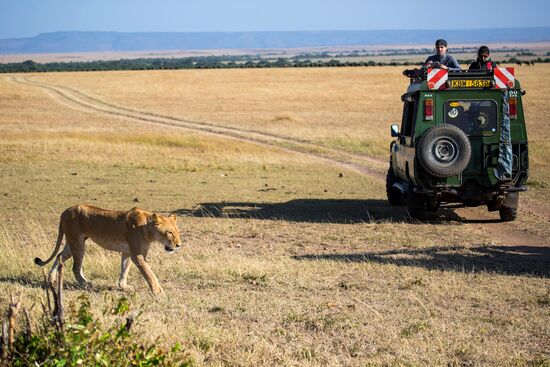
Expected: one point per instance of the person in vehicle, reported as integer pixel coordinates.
(483, 61)
(441, 59)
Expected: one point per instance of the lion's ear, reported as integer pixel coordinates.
(155, 219)
(173, 216)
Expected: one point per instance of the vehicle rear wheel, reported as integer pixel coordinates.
(509, 209)
(416, 205)
(444, 151)
(395, 197)
(507, 214)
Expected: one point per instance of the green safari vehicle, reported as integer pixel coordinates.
(462, 141)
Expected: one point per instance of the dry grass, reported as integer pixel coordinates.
(288, 262)
(345, 108)
(314, 104)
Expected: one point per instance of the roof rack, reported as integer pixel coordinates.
(435, 78)
(417, 75)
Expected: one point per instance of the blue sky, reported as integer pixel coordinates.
(26, 18)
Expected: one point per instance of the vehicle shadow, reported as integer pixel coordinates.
(313, 210)
(510, 260)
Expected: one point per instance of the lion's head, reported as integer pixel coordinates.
(165, 230)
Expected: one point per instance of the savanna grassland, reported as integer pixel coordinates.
(292, 255)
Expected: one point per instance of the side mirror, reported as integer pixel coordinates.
(394, 131)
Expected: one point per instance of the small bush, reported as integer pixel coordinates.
(81, 340)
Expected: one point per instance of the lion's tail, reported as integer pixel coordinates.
(39, 261)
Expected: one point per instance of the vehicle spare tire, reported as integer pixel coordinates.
(444, 151)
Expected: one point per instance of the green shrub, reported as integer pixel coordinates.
(84, 341)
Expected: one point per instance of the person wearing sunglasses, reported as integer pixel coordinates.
(483, 61)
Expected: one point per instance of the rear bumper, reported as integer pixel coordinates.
(454, 191)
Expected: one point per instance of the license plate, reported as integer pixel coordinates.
(471, 83)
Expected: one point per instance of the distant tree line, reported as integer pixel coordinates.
(408, 52)
(209, 62)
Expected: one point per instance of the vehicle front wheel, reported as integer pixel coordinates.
(395, 197)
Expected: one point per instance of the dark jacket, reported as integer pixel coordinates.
(482, 65)
(446, 60)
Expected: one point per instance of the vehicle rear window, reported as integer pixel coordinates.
(472, 116)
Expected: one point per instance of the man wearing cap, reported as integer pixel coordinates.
(441, 59)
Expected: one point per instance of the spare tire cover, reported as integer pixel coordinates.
(444, 151)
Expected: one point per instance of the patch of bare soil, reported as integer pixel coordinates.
(504, 233)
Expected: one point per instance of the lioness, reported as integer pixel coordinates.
(130, 233)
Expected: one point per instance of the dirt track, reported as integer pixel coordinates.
(478, 218)
(75, 99)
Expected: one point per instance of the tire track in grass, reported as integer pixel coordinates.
(359, 163)
(505, 233)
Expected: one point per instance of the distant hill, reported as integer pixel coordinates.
(119, 41)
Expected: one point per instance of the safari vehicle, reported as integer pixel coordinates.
(451, 139)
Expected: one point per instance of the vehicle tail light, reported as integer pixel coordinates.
(428, 109)
(513, 108)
